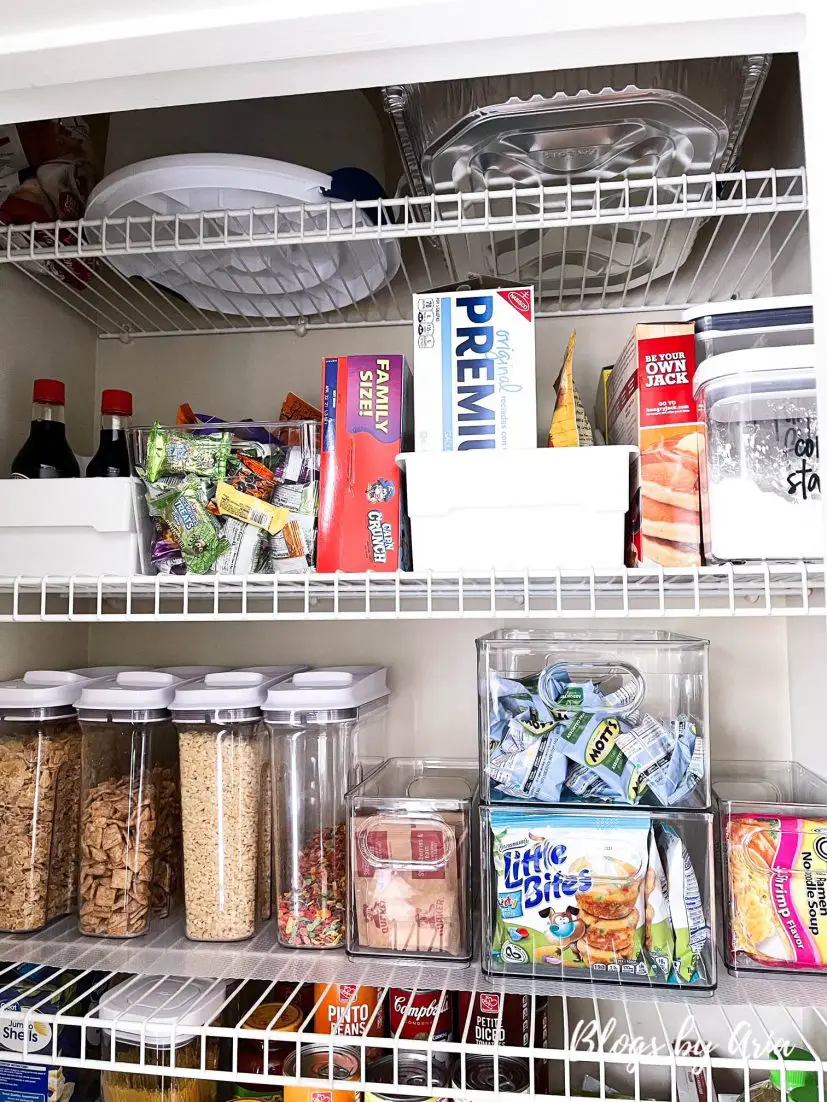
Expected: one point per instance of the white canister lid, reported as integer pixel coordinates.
(134, 690)
(233, 690)
(42, 689)
(792, 358)
(160, 1010)
(331, 688)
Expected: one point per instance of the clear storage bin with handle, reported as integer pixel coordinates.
(772, 821)
(760, 481)
(130, 854)
(614, 717)
(39, 799)
(409, 860)
(321, 722)
(221, 743)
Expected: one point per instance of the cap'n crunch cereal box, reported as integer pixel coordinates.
(365, 425)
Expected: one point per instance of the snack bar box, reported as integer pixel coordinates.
(652, 407)
(366, 415)
(474, 370)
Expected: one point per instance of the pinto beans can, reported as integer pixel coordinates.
(413, 1013)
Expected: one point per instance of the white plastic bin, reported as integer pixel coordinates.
(760, 482)
(68, 526)
(760, 323)
(518, 510)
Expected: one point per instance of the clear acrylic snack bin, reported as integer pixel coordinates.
(750, 323)
(226, 498)
(616, 896)
(321, 722)
(772, 827)
(596, 718)
(409, 860)
(760, 488)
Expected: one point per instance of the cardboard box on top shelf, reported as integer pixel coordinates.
(651, 406)
(474, 367)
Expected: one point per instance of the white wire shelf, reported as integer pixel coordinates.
(650, 244)
(625, 1050)
(768, 589)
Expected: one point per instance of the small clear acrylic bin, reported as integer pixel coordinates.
(410, 826)
(772, 834)
(594, 718)
(617, 896)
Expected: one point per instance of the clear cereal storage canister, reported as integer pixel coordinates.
(130, 843)
(612, 717)
(39, 799)
(772, 820)
(760, 482)
(321, 723)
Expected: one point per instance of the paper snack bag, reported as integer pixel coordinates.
(407, 886)
(651, 406)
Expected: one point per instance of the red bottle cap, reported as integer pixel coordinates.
(117, 401)
(51, 392)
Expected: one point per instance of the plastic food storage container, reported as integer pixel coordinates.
(321, 722)
(752, 323)
(409, 860)
(157, 1022)
(263, 478)
(130, 860)
(39, 799)
(618, 717)
(760, 483)
(772, 821)
(620, 896)
(221, 742)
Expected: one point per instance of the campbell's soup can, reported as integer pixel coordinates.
(347, 1010)
(500, 1019)
(320, 1062)
(412, 1014)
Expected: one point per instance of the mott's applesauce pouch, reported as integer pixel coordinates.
(777, 871)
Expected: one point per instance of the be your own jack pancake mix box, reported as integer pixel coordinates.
(651, 406)
(365, 425)
(474, 369)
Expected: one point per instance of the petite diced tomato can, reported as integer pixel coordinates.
(500, 1019)
(414, 1014)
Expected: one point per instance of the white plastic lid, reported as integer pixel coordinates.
(186, 673)
(751, 361)
(746, 306)
(232, 689)
(144, 690)
(331, 688)
(159, 1005)
(42, 689)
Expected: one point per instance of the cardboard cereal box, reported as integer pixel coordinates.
(651, 405)
(365, 416)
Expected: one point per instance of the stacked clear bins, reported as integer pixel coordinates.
(409, 860)
(322, 722)
(596, 828)
(773, 866)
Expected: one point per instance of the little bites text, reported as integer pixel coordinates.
(374, 395)
(666, 369)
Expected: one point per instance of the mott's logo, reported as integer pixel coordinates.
(490, 1004)
(637, 785)
(602, 741)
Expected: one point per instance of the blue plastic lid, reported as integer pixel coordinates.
(767, 313)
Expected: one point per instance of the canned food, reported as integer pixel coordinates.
(346, 1010)
(413, 1014)
(510, 1076)
(501, 1019)
(277, 1017)
(320, 1062)
(408, 1069)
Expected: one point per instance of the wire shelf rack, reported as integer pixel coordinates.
(633, 245)
(766, 589)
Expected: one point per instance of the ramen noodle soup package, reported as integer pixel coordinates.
(408, 888)
(777, 888)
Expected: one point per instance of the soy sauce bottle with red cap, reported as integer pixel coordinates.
(46, 453)
(111, 460)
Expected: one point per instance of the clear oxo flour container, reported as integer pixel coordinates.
(760, 482)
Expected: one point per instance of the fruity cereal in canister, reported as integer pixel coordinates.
(314, 915)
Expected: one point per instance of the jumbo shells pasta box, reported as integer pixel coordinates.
(365, 424)
(652, 407)
(474, 369)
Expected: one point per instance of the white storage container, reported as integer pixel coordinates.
(518, 510)
(760, 483)
(757, 323)
(68, 526)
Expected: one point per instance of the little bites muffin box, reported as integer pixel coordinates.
(652, 407)
(365, 424)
